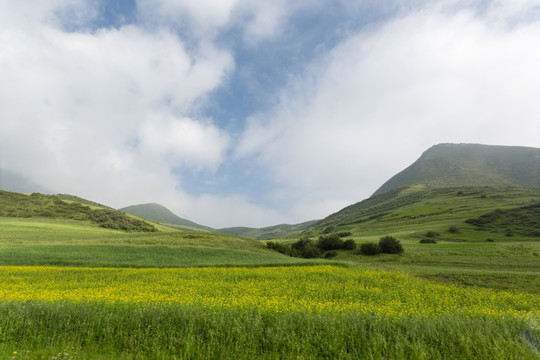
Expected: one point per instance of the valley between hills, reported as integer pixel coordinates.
(141, 282)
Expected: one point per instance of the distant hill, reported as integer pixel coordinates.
(451, 165)
(160, 214)
(35, 205)
(269, 232)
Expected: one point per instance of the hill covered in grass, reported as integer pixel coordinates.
(268, 232)
(415, 208)
(452, 165)
(160, 214)
(38, 205)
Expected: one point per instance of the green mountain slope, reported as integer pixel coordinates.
(411, 210)
(36, 205)
(269, 232)
(160, 214)
(451, 165)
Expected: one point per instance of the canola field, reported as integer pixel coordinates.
(311, 289)
(303, 312)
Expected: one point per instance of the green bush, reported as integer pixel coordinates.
(330, 242)
(349, 244)
(328, 230)
(370, 249)
(330, 254)
(345, 234)
(310, 252)
(281, 248)
(390, 245)
(454, 229)
(301, 244)
(428, 241)
(432, 234)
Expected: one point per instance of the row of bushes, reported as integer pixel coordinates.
(328, 244)
(309, 249)
(386, 245)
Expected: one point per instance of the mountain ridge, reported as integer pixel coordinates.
(160, 214)
(454, 165)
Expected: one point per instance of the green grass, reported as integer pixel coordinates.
(74, 243)
(86, 330)
(36, 205)
(463, 256)
(40, 330)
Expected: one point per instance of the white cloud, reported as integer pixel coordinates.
(105, 114)
(184, 142)
(257, 20)
(374, 103)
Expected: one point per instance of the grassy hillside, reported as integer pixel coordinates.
(269, 232)
(417, 208)
(73, 289)
(487, 237)
(64, 242)
(53, 207)
(160, 214)
(451, 165)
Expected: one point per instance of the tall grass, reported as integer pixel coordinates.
(43, 330)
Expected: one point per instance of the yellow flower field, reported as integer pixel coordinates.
(312, 289)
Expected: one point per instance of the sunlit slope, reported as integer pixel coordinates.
(451, 165)
(268, 232)
(415, 209)
(64, 242)
(68, 207)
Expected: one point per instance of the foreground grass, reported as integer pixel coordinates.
(64, 330)
(244, 313)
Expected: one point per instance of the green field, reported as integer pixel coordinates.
(73, 289)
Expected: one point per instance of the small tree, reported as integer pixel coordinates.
(390, 245)
(310, 252)
(301, 244)
(370, 249)
(329, 242)
(349, 244)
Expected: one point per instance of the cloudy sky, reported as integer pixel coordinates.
(253, 112)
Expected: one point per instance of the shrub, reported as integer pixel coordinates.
(301, 244)
(432, 234)
(349, 244)
(310, 252)
(328, 230)
(330, 254)
(453, 229)
(370, 249)
(345, 234)
(284, 249)
(330, 242)
(390, 245)
(428, 241)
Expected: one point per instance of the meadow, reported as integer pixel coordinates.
(326, 312)
(72, 289)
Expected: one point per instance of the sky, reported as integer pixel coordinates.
(252, 112)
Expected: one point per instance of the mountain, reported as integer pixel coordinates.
(35, 205)
(160, 214)
(269, 232)
(448, 185)
(451, 165)
(409, 210)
